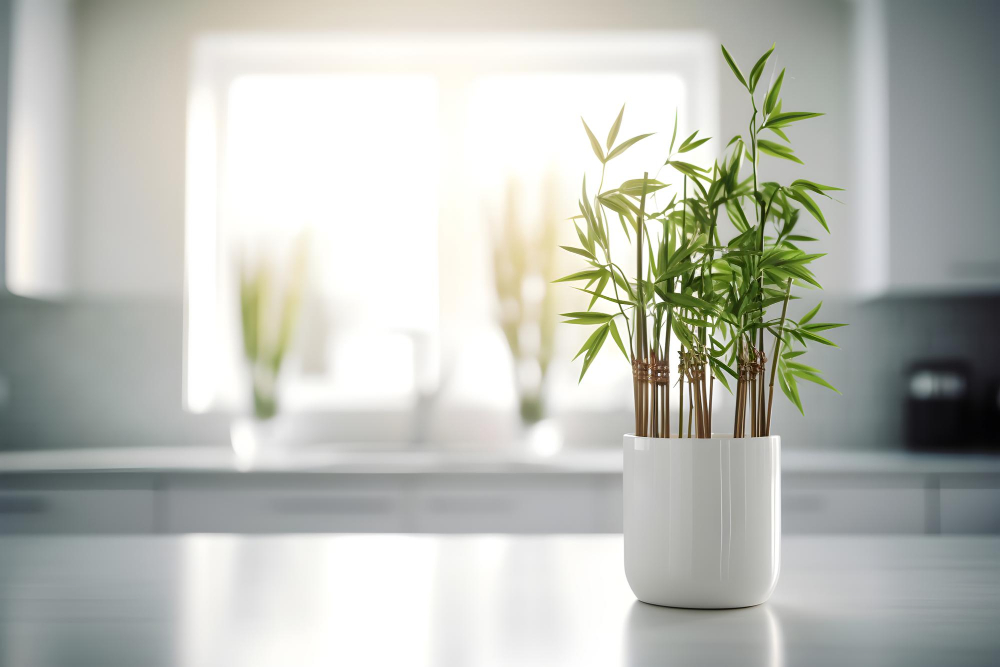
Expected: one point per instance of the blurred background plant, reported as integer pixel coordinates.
(523, 269)
(270, 301)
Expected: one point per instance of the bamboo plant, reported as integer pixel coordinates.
(522, 270)
(268, 317)
(722, 302)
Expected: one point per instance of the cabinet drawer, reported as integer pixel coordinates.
(970, 505)
(853, 506)
(284, 506)
(75, 504)
(506, 504)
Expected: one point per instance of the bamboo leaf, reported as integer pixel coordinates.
(598, 292)
(589, 342)
(822, 326)
(599, 295)
(634, 187)
(788, 117)
(613, 133)
(618, 339)
(687, 301)
(581, 275)
(812, 377)
(594, 349)
(579, 251)
(808, 203)
(805, 333)
(674, 137)
(818, 188)
(587, 317)
(732, 66)
(777, 150)
(772, 94)
(693, 145)
(758, 69)
(625, 145)
(811, 314)
(594, 143)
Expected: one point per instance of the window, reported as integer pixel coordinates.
(395, 157)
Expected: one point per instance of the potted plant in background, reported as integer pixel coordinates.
(270, 301)
(523, 269)
(704, 302)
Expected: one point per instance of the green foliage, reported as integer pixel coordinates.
(268, 318)
(716, 297)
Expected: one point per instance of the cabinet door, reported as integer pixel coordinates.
(853, 504)
(76, 503)
(970, 504)
(285, 504)
(506, 503)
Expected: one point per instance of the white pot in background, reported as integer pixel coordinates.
(702, 520)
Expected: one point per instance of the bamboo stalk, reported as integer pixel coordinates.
(680, 409)
(777, 353)
(711, 396)
(690, 407)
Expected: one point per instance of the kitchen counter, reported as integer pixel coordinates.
(480, 600)
(376, 460)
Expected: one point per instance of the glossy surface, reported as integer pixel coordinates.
(480, 600)
(702, 520)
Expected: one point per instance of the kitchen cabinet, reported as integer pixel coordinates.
(925, 176)
(320, 491)
(869, 504)
(79, 504)
(970, 505)
(283, 504)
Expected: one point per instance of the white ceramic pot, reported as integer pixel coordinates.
(702, 520)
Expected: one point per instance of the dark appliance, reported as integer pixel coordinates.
(939, 411)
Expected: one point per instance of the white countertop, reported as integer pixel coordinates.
(354, 459)
(480, 600)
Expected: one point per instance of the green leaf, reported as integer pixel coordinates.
(805, 333)
(578, 251)
(732, 65)
(634, 187)
(625, 145)
(822, 326)
(788, 117)
(777, 150)
(618, 339)
(818, 188)
(686, 301)
(587, 317)
(593, 141)
(693, 145)
(598, 292)
(811, 314)
(758, 69)
(613, 133)
(812, 377)
(595, 347)
(581, 275)
(787, 383)
(808, 203)
(772, 94)
(673, 138)
(589, 343)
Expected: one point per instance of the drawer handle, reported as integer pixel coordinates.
(469, 504)
(23, 505)
(332, 505)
